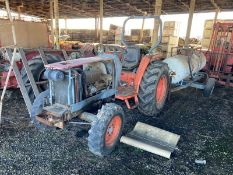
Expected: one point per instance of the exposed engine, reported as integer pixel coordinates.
(97, 78)
(88, 80)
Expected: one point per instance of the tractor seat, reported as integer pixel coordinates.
(131, 59)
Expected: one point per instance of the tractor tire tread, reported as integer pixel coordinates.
(96, 138)
(147, 102)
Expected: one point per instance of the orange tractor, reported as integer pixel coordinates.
(75, 86)
(144, 78)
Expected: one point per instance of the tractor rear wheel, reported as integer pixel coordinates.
(37, 68)
(153, 89)
(106, 131)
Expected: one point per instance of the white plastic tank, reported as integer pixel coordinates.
(179, 68)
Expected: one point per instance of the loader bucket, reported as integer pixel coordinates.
(152, 139)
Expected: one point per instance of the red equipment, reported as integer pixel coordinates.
(30, 54)
(220, 53)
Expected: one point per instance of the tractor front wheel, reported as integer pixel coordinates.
(154, 87)
(106, 131)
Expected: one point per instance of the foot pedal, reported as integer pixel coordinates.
(152, 139)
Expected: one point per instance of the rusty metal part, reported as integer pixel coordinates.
(44, 121)
(50, 122)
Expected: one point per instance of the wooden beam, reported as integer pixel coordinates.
(149, 3)
(216, 15)
(158, 7)
(51, 22)
(178, 6)
(215, 4)
(190, 19)
(101, 23)
(132, 7)
(185, 5)
(96, 28)
(106, 6)
(79, 11)
(19, 12)
(56, 16)
(87, 8)
(216, 11)
(141, 31)
(66, 25)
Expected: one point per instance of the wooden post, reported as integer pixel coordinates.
(51, 22)
(66, 32)
(19, 12)
(96, 28)
(191, 11)
(158, 8)
(141, 31)
(216, 15)
(56, 16)
(101, 22)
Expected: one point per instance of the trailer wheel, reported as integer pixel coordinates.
(154, 88)
(209, 87)
(37, 68)
(105, 132)
(37, 109)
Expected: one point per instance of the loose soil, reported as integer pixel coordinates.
(205, 126)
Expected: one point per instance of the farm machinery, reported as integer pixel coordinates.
(220, 54)
(76, 86)
(35, 59)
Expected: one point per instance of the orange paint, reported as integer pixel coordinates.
(133, 80)
(113, 131)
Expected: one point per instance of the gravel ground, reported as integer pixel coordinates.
(205, 126)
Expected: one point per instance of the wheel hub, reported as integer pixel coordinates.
(110, 130)
(113, 131)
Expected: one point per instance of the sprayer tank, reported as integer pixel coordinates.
(179, 67)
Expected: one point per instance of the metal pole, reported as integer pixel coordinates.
(158, 7)
(56, 15)
(51, 22)
(101, 22)
(191, 11)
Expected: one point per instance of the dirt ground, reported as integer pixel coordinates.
(205, 126)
